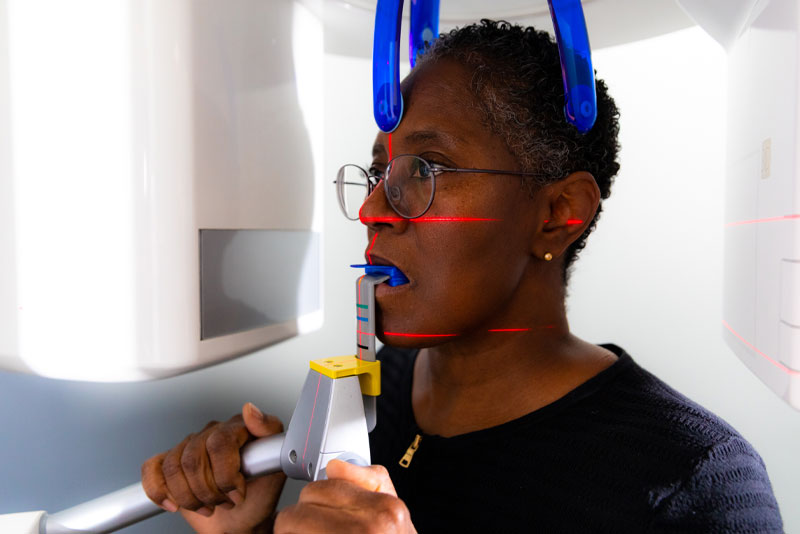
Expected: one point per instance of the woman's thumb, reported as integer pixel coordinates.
(258, 424)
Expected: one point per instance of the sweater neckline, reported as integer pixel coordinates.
(587, 389)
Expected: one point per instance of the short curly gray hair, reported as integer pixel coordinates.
(517, 81)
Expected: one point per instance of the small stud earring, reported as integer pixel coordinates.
(548, 257)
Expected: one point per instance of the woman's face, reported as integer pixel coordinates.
(464, 275)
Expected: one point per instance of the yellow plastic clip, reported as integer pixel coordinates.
(368, 373)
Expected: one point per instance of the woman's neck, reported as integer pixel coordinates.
(479, 383)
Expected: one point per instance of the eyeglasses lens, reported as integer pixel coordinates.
(352, 187)
(409, 185)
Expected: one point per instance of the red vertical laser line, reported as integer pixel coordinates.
(312, 418)
(390, 146)
(369, 258)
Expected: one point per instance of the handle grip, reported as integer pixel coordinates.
(130, 505)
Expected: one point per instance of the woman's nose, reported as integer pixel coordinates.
(376, 211)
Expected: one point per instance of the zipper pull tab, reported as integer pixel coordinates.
(405, 461)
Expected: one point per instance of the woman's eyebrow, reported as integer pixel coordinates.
(428, 136)
(378, 150)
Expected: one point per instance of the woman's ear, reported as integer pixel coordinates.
(569, 207)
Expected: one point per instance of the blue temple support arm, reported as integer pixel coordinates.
(387, 100)
(424, 27)
(580, 96)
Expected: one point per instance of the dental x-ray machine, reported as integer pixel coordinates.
(188, 287)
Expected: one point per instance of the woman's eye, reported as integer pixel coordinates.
(376, 171)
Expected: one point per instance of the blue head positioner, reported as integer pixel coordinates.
(387, 99)
(580, 98)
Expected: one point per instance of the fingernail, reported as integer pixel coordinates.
(235, 496)
(255, 411)
(204, 512)
(169, 506)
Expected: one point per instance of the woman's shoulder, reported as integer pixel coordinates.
(632, 397)
(704, 474)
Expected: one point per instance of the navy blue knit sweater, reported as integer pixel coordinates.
(623, 452)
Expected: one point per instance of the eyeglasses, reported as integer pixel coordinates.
(409, 184)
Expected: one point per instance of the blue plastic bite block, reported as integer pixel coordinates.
(396, 276)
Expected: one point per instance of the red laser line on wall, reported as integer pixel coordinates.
(768, 219)
(776, 363)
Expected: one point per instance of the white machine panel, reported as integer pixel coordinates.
(130, 132)
(761, 311)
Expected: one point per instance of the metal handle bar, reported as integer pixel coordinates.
(130, 505)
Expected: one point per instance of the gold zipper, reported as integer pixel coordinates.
(405, 461)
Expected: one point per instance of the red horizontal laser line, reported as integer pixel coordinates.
(425, 219)
(776, 363)
(768, 219)
(402, 334)
(569, 221)
(365, 333)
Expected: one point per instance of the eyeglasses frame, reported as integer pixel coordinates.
(374, 180)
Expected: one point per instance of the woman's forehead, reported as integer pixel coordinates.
(440, 86)
(439, 110)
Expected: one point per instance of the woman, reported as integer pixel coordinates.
(493, 417)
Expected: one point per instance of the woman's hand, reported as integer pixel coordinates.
(201, 476)
(353, 500)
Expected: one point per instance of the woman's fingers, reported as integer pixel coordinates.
(198, 472)
(154, 485)
(204, 470)
(223, 445)
(338, 505)
(177, 485)
(372, 478)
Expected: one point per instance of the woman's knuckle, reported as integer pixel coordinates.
(380, 470)
(219, 442)
(308, 491)
(210, 424)
(391, 511)
(190, 462)
(171, 466)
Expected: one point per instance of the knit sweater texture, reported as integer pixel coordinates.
(623, 452)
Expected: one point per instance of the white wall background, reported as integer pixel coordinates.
(649, 280)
